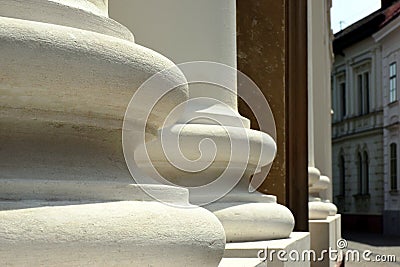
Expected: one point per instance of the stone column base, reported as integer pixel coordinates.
(324, 236)
(260, 218)
(122, 227)
(318, 210)
(252, 254)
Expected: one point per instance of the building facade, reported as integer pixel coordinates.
(389, 38)
(363, 98)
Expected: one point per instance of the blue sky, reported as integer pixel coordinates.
(346, 12)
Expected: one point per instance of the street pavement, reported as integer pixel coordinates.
(379, 245)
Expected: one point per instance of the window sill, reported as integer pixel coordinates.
(393, 103)
(394, 192)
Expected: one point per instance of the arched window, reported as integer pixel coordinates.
(393, 166)
(342, 176)
(359, 174)
(366, 174)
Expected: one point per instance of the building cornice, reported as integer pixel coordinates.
(358, 134)
(387, 30)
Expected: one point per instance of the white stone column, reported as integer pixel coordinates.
(324, 224)
(317, 59)
(67, 74)
(206, 30)
(317, 209)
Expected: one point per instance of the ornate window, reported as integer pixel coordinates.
(342, 92)
(392, 82)
(363, 93)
